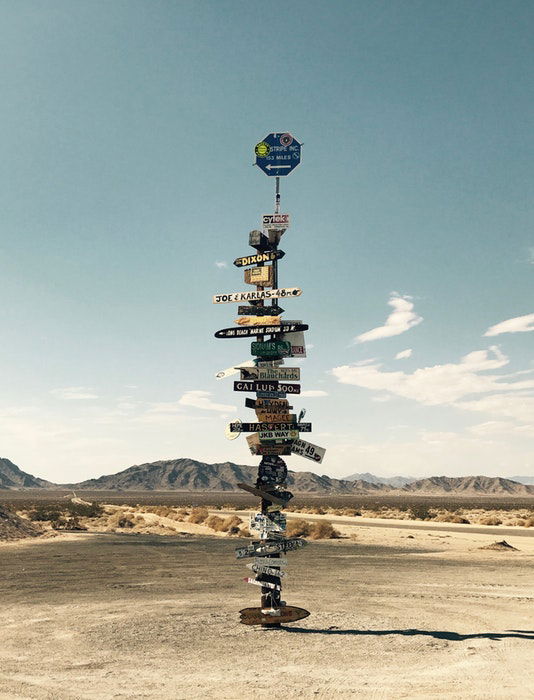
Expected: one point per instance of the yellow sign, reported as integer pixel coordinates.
(258, 320)
(262, 149)
(260, 276)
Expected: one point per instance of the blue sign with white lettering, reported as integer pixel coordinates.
(278, 154)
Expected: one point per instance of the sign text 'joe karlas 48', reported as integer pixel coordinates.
(277, 155)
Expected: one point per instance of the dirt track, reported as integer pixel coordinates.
(138, 616)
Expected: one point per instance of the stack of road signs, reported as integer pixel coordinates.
(275, 431)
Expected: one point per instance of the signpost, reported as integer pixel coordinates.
(277, 431)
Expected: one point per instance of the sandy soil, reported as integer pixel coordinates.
(395, 614)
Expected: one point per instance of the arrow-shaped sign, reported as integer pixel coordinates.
(273, 167)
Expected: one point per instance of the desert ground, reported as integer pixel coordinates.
(396, 612)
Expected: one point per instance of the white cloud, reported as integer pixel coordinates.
(448, 384)
(519, 324)
(403, 354)
(221, 264)
(531, 255)
(77, 393)
(400, 320)
(312, 393)
(201, 399)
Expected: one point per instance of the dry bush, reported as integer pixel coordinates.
(231, 524)
(121, 519)
(420, 511)
(139, 519)
(451, 518)
(316, 510)
(298, 528)
(214, 522)
(529, 522)
(490, 520)
(323, 530)
(351, 512)
(244, 532)
(198, 515)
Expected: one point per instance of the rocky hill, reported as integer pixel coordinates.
(11, 477)
(469, 486)
(12, 527)
(394, 481)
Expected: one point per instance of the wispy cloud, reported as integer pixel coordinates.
(74, 393)
(519, 324)
(201, 399)
(451, 384)
(221, 264)
(313, 393)
(400, 320)
(403, 354)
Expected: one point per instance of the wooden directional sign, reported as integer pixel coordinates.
(261, 276)
(268, 363)
(270, 404)
(264, 417)
(275, 222)
(259, 427)
(306, 449)
(269, 570)
(271, 449)
(269, 561)
(259, 310)
(271, 394)
(258, 240)
(285, 614)
(258, 321)
(268, 256)
(265, 584)
(283, 293)
(263, 386)
(262, 548)
(274, 373)
(280, 497)
(270, 348)
(258, 330)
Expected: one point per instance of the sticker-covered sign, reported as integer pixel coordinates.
(268, 256)
(275, 222)
(296, 339)
(278, 154)
(306, 449)
(261, 276)
(258, 295)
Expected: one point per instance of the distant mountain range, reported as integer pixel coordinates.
(191, 475)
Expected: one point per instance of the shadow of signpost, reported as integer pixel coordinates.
(436, 634)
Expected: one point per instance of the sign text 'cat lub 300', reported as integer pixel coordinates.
(278, 154)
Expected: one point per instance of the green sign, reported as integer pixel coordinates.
(271, 348)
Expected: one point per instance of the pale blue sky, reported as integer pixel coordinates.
(128, 132)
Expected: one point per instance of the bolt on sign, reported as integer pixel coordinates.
(260, 276)
(306, 449)
(276, 431)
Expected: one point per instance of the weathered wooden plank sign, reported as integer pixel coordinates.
(264, 417)
(279, 435)
(259, 310)
(287, 613)
(269, 570)
(259, 295)
(262, 386)
(264, 584)
(258, 321)
(271, 450)
(280, 497)
(260, 276)
(268, 256)
(261, 548)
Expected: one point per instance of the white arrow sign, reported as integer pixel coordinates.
(276, 167)
(258, 295)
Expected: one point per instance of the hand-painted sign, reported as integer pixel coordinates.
(271, 449)
(265, 584)
(269, 570)
(262, 548)
(279, 435)
(306, 449)
(268, 256)
(262, 386)
(270, 404)
(260, 276)
(281, 293)
(285, 614)
(264, 417)
(268, 363)
(275, 373)
(271, 348)
(259, 310)
(278, 154)
(275, 222)
(269, 561)
(260, 427)
(271, 394)
(281, 497)
(246, 332)
(232, 370)
(257, 320)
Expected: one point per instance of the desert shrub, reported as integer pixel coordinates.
(43, 513)
(323, 530)
(244, 532)
(214, 522)
(490, 520)
(529, 522)
(139, 519)
(351, 512)
(84, 510)
(232, 522)
(298, 528)
(460, 519)
(450, 518)
(121, 519)
(198, 515)
(420, 511)
(316, 510)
